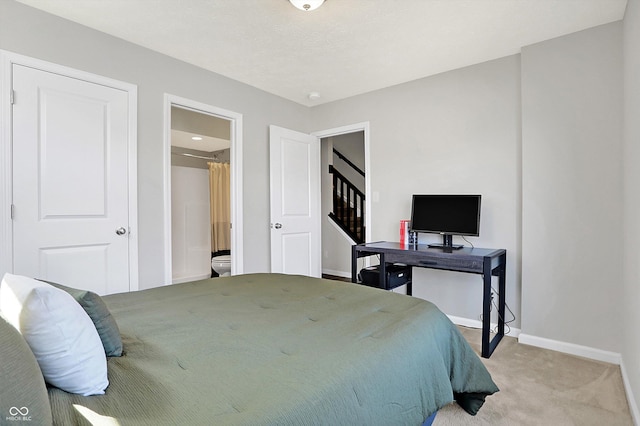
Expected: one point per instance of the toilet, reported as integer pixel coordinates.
(222, 264)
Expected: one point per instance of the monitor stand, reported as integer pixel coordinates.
(447, 244)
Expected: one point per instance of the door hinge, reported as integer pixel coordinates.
(12, 97)
(13, 209)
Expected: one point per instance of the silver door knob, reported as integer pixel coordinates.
(121, 231)
(277, 225)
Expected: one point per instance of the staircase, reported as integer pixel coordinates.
(348, 204)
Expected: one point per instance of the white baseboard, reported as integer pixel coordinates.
(633, 407)
(568, 348)
(336, 273)
(591, 353)
(571, 348)
(466, 322)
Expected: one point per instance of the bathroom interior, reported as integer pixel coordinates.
(200, 195)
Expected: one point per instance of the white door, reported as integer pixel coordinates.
(295, 202)
(70, 217)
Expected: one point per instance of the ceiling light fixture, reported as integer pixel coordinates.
(314, 96)
(307, 5)
(196, 138)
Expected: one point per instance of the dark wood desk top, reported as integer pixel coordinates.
(465, 251)
(466, 259)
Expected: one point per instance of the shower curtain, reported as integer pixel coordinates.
(220, 206)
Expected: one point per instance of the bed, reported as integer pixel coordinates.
(271, 349)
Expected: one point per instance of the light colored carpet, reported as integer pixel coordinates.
(542, 387)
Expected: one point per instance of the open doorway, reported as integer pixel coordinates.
(344, 157)
(203, 206)
(200, 195)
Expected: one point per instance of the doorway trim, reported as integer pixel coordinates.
(7, 60)
(353, 128)
(235, 119)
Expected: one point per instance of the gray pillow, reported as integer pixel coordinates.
(97, 310)
(23, 394)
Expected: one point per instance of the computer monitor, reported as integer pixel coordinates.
(446, 215)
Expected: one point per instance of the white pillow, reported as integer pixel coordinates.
(60, 333)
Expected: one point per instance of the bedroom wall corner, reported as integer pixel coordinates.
(631, 130)
(572, 188)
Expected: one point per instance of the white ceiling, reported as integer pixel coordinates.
(344, 48)
(184, 139)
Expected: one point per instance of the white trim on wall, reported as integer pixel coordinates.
(633, 407)
(7, 59)
(570, 348)
(235, 119)
(590, 353)
(6, 235)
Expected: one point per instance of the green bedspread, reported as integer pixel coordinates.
(269, 349)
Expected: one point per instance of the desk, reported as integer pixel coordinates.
(482, 261)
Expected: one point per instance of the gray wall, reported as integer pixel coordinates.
(572, 188)
(40, 35)
(457, 132)
(630, 319)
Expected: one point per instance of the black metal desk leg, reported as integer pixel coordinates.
(383, 272)
(354, 264)
(502, 289)
(486, 307)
